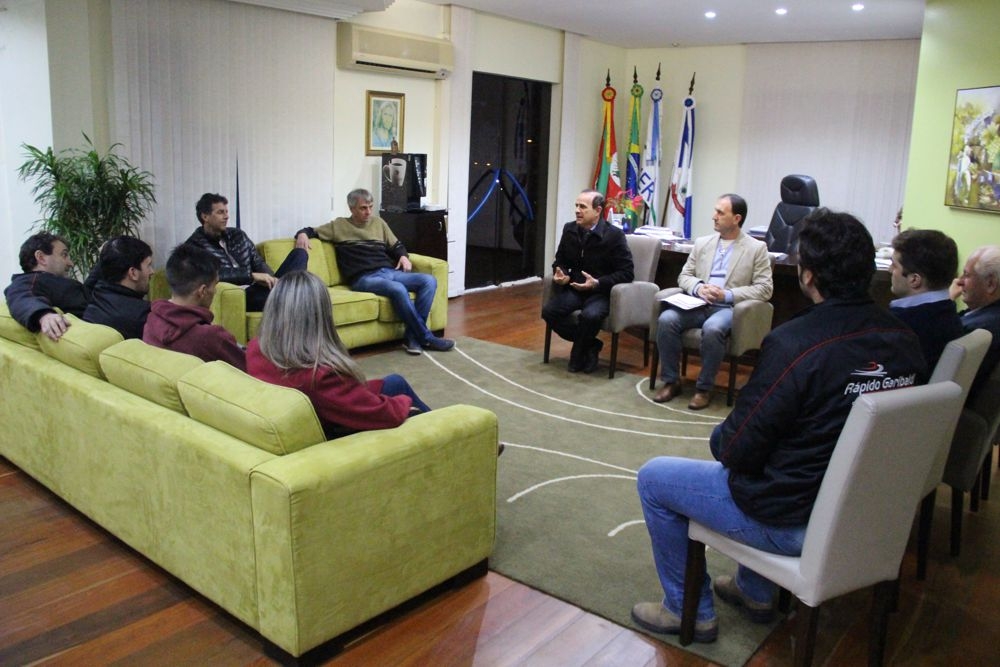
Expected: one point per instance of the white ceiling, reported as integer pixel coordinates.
(659, 23)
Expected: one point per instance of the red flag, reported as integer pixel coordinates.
(606, 178)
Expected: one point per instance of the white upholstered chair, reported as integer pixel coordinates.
(751, 322)
(629, 301)
(860, 522)
(959, 363)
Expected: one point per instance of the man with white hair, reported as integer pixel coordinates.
(979, 287)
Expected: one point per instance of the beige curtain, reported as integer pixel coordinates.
(840, 112)
(200, 83)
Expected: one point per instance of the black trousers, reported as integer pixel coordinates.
(593, 309)
(297, 260)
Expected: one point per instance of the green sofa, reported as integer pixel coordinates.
(362, 318)
(227, 482)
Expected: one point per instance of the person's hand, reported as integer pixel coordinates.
(53, 325)
(954, 290)
(302, 241)
(264, 280)
(712, 293)
(559, 278)
(404, 264)
(589, 283)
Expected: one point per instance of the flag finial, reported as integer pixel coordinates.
(607, 81)
(635, 74)
(658, 65)
(691, 89)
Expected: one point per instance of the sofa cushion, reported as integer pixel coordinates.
(147, 371)
(275, 252)
(12, 330)
(81, 345)
(351, 307)
(276, 419)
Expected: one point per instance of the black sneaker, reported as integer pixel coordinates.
(412, 347)
(438, 344)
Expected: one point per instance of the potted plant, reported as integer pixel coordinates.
(87, 198)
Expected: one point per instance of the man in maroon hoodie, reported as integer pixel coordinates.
(183, 323)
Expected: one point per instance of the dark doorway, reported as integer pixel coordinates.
(507, 179)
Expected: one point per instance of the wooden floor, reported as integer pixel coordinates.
(70, 594)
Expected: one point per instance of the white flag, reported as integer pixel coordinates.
(679, 199)
(649, 180)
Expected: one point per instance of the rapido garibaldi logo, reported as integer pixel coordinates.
(873, 377)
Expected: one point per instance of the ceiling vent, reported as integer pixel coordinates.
(379, 50)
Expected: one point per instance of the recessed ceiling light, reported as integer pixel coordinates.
(857, 6)
(710, 15)
(780, 11)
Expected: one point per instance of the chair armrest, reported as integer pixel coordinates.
(657, 306)
(751, 322)
(630, 305)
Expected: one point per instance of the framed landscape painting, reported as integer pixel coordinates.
(973, 180)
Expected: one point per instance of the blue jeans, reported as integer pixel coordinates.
(395, 385)
(672, 490)
(396, 286)
(715, 323)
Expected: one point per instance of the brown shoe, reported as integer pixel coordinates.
(700, 400)
(667, 393)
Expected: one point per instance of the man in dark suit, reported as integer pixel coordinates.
(979, 287)
(592, 257)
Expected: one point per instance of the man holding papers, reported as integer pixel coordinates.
(723, 269)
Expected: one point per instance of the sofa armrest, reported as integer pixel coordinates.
(230, 309)
(229, 306)
(347, 529)
(438, 318)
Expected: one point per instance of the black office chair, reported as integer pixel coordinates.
(799, 198)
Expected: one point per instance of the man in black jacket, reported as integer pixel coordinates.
(773, 449)
(34, 295)
(118, 300)
(592, 257)
(240, 262)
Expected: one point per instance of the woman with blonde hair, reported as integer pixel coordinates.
(298, 346)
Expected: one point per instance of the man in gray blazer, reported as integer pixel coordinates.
(723, 269)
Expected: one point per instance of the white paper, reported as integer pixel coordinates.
(684, 301)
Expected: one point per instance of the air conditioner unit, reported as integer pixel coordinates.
(404, 54)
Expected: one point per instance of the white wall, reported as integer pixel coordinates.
(436, 112)
(25, 117)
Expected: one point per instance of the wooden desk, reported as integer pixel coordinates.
(787, 299)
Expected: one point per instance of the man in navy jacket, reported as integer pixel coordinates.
(924, 263)
(980, 290)
(45, 285)
(773, 449)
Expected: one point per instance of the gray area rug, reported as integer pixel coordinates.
(569, 519)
